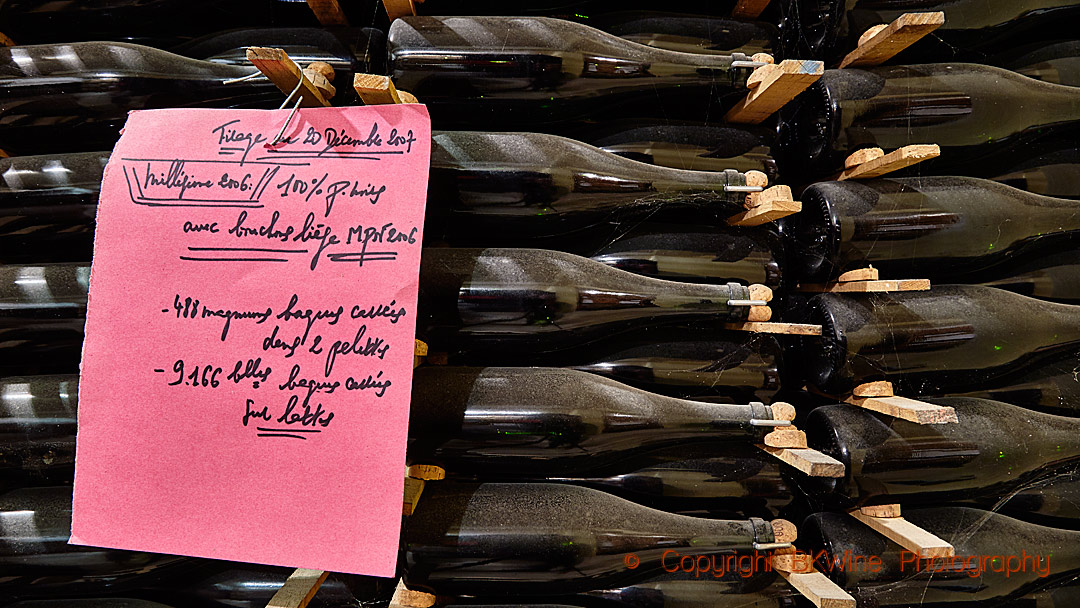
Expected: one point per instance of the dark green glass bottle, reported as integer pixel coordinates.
(996, 450)
(946, 229)
(510, 72)
(973, 31)
(504, 300)
(989, 547)
(552, 539)
(953, 338)
(988, 121)
(37, 430)
(557, 422)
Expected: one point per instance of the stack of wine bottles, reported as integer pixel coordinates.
(596, 404)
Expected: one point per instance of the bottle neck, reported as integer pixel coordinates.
(600, 405)
(87, 60)
(526, 170)
(552, 421)
(752, 373)
(1048, 277)
(38, 406)
(691, 361)
(57, 175)
(722, 483)
(709, 589)
(561, 47)
(523, 537)
(561, 292)
(1053, 389)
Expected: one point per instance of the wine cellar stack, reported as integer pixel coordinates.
(721, 304)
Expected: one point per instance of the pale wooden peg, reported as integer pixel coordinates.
(765, 206)
(893, 161)
(807, 460)
(881, 42)
(878, 388)
(427, 472)
(317, 76)
(416, 477)
(413, 489)
(795, 329)
(762, 58)
(907, 535)
(407, 598)
(375, 89)
(328, 12)
(298, 589)
(773, 85)
(323, 68)
(862, 274)
(786, 437)
(869, 34)
(284, 73)
(863, 155)
(881, 510)
(407, 97)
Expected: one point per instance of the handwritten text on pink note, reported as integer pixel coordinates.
(249, 341)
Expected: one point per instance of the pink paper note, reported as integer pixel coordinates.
(249, 340)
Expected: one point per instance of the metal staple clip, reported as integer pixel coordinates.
(288, 120)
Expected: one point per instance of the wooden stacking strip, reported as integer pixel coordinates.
(328, 12)
(819, 589)
(773, 85)
(864, 280)
(407, 598)
(879, 397)
(765, 206)
(807, 460)
(283, 72)
(796, 329)
(886, 520)
(880, 43)
(400, 8)
(873, 162)
(298, 589)
(375, 89)
(799, 572)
